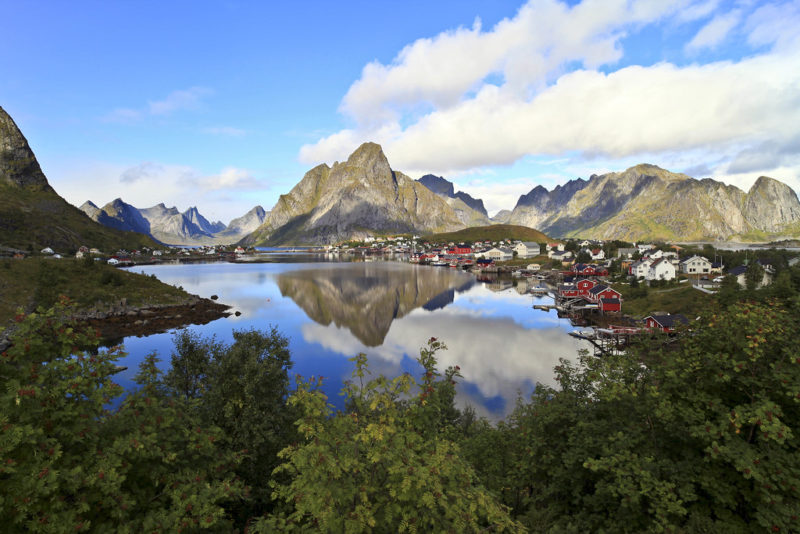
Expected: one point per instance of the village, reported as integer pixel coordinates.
(588, 281)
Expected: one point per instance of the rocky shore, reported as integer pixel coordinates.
(123, 320)
(118, 320)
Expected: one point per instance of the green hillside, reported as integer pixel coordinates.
(32, 219)
(36, 282)
(494, 232)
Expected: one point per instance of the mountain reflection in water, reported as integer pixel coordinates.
(332, 311)
(366, 297)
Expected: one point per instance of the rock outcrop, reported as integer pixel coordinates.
(18, 164)
(34, 216)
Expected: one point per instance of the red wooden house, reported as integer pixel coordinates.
(610, 305)
(666, 323)
(584, 286)
(602, 291)
(460, 250)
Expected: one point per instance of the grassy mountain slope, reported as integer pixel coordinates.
(494, 232)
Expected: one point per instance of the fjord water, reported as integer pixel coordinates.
(331, 311)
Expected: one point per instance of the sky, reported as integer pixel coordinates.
(225, 105)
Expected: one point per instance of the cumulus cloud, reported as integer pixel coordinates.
(439, 107)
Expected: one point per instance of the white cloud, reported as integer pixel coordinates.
(775, 24)
(526, 50)
(221, 196)
(230, 178)
(175, 101)
(438, 106)
(178, 100)
(713, 33)
(229, 131)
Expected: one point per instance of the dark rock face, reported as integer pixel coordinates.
(438, 185)
(18, 165)
(445, 188)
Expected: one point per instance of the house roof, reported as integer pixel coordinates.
(599, 288)
(696, 258)
(669, 320)
(736, 271)
(530, 244)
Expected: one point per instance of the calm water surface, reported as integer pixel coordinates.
(388, 310)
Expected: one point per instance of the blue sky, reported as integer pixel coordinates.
(225, 105)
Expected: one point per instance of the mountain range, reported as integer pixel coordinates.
(648, 202)
(364, 196)
(34, 216)
(170, 226)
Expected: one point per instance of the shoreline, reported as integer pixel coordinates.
(122, 320)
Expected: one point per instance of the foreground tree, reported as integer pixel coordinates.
(242, 389)
(69, 464)
(385, 465)
(699, 437)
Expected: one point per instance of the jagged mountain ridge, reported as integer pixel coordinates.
(169, 225)
(445, 188)
(34, 216)
(647, 202)
(355, 199)
(245, 224)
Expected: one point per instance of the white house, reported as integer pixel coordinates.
(499, 254)
(597, 254)
(655, 254)
(696, 265)
(661, 269)
(640, 268)
(560, 255)
(553, 247)
(644, 247)
(526, 249)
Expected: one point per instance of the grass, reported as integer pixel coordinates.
(494, 232)
(681, 298)
(33, 282)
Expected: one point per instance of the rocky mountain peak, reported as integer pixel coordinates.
(370, 157)
(18, 165)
